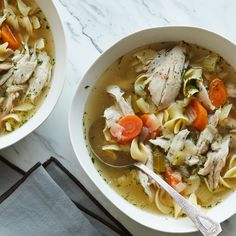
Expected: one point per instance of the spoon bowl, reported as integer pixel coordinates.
(109, 158)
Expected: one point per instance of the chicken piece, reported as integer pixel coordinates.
(161, 142)
(220, 150)
(116, 130)
(144, 180)
(177, 144)
(214, 118)
(8, 105)
(5, 66)
(25, 67)
(5, 77)
(16, 88)
(117, 93)
(207, 166)
(190, 151)
(190, 147)
(8, 77)
(156, 62)
(41, 77)
(192, 160)
(231, 90)
(233, 140)
(205, 138)
(229, 123)
(166, 81)
(1, 100)
(204, 97)
(147, 59)
(211, 177)
(112, 115)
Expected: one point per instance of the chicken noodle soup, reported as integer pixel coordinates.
(172, 107)
(26, 62)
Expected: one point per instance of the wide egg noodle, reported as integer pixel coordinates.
(177, 121)
(140, 85)
(139, 151)
(11, 17)
(164, 202)
(5, 52)
(193, 184)
(228, 180)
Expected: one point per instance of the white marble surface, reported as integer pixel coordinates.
(91, 27)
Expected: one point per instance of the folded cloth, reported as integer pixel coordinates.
(84, 200)
(9, 175)
(45, 201)
(36, 205)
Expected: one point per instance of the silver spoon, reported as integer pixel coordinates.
(206, 225)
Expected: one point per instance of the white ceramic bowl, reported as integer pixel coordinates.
(46, 108)
(197, 36)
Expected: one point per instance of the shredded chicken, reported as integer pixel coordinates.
(205, 139)
(231, 90)
(216, 160)
(24, 67)
(190, 151)
(161, 142)
(5, 66)
(144, 180)
(177, 144)
(166, 81)
(112, 115)
(214, 118)
(204, 97)
(207, 166)
(6, 76)
(16, 88)
(229, 123)
(41, 77)
(117, 93)
(8, 105)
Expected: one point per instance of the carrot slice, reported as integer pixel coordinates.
(151, 122)
(144, 118)
(200, 122)
(132, 125)
(217, 92)
(8, 36)
(172, 178)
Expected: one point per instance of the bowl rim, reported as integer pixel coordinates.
(80, 87)
(43, 111)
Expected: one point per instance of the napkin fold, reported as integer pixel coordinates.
(49, 200)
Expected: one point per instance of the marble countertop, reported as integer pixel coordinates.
(91, 27)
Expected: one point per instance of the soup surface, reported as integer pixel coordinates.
(26, 62)
(172, 107)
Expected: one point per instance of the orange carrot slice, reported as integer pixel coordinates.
(200, 122)
(132, 125)
(172, 178)
(217, 92)
(151, 122)
(8, 36)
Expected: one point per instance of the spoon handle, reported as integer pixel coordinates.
(206, 225)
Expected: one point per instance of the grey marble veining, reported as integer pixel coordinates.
(92, 26)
